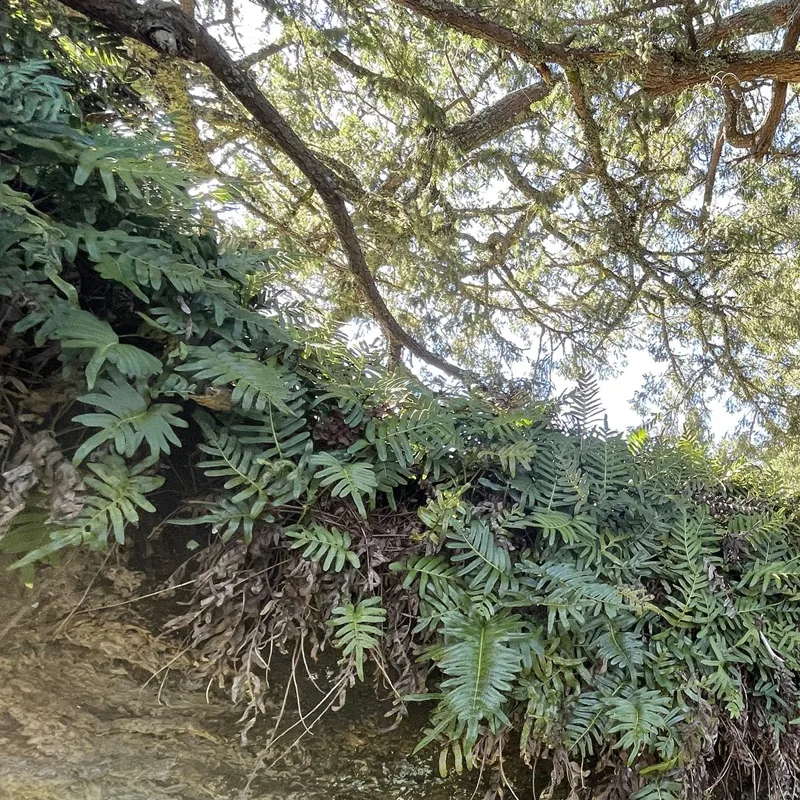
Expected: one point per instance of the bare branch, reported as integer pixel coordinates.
(766, 133)
(262, 54)
(509, 111)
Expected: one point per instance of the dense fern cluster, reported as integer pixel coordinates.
(537, 579)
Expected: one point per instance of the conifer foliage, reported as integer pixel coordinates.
(514, 565)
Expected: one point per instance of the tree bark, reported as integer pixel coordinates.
(758, 19)
(491, 122)
(669, 73)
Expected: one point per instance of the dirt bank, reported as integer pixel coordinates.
(97, 705)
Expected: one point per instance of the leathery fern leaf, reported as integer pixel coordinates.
(327, 546)
(116, 494)
(231, 460)
(128, 421)
(638, 719)
(480, 558)
(481, 661)
(227, 518)
(433, 573)
(256, 384)
(354, 479)
(356, 629)
(80, 330)
(620, 648)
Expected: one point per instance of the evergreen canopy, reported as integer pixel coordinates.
(514, 180)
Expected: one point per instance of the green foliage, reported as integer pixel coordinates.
(128, 421)
(119, 494)
(356, 629)
(327, 546)
(355, 479)
(255, 384)
(612, 601)
(480, 661)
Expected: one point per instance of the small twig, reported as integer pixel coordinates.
(63, 624)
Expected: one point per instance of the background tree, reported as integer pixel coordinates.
(623, 609)
(520, 181)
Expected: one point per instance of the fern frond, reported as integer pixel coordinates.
(623, 649)
(327, 546)
(514, 455)
(256, 385)
(432, 572)
(118, 495)
(285, 435)
(482, 560)
(226, 518)
(346, 479)
(231, 460)
(585, 411)
(638, 719)
(356, 629)
(129, 420)
(79, 330)
(480, 660)
(568, 593)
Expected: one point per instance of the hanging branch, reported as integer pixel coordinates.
(168, 29)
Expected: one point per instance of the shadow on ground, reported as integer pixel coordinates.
(97, 705)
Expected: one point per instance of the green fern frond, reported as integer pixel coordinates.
(568, 593)
(585, 411)
(227, 518)
(586, 728)
(432, 572)
(638, 719)
(115, 496)
(481, 661)
(256, 385)
(346, 479)
(623, 649)
(79, 330)
(356, 629)
(327, 546)
(514, 455)
(128, 421)
(284, 435)
(481, 560)
(239, 465)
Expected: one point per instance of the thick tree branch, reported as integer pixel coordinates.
(530, 50)
(766, 133)
(757, 19)
(166, 28)
(732, 97)
(263, 54)
(669, 73)
(666, 72)
(711, 176)
(509, 111)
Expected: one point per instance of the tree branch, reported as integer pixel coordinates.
(530, 50)
(757, 19)
(166, 28)
(509, 111)
(670, 73)
(766, 133)
(432, 113)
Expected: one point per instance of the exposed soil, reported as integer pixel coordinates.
(96, 705)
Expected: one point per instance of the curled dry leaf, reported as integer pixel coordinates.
(40, 462)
